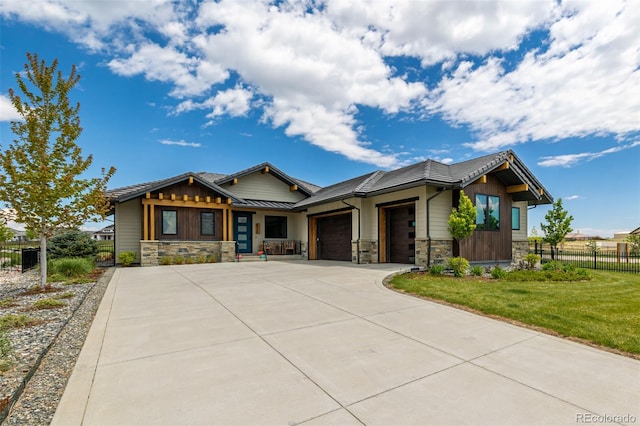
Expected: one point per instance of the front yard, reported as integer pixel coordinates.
(604, 311)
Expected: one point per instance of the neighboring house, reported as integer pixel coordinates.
(398, 216)
(105, 234)
(636, 231)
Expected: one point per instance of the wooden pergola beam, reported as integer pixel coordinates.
(481, 179)
(523, 187)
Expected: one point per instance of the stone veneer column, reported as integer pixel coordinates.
(519, 249)
(441, 251)
(149, 253)
(368, 251)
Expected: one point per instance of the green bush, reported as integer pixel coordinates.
(498, 273)
(201, 259)
(73, 243)
(165, 260)
(436, 269)
(532, 260)
(477, 270)
(178, 260)
(459, 265)
(70, 267)
(126, 258)
(553, 265)
(188, 260)
(212, 259)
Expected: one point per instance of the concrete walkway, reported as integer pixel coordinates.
(324, 343)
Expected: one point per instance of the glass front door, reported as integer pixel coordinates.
(242, 232)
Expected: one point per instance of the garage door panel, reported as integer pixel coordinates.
(334, 234)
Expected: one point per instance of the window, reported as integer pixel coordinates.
(207, 223)
(169, 222)
(515, 218)
(275, 227)
(487, 212)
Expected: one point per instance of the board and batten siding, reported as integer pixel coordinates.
(259, 186)
(128, 225)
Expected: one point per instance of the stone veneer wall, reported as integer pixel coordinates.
(152, 252)
(368, 251)
(441, 251)
(519, 249)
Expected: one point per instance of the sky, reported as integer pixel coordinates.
(330, 90)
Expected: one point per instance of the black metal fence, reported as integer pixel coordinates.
(20, 256)
(606, 259)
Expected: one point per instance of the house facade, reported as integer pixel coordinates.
(398, 216)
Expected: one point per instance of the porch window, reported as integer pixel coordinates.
(275, 227)
(515, 218)
(169, 222)
(487, 212)
(207, 223)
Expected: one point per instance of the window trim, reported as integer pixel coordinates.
(213, 224)
(486, 225)
(175, 214)
(285, 229)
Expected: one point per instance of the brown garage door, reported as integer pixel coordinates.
(402, 234)
(334, 237)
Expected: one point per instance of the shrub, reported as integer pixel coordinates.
(126, 258)
(188, 260)
(477, 270)
(460, 265)
(178, 260)
(212, 259)
(165, 260)
(201, 259)
(532, 260)
(73, 243)
(436, 269)
(553, 265)
(498, 273)
(70, 267)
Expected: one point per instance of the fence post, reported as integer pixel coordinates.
(595, 259)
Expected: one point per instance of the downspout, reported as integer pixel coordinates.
(358, 240)
(438, 192)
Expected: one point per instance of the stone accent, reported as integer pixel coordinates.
(304, 252)
(154, 253)
(441, 251)
(519, 250)
(368, 251)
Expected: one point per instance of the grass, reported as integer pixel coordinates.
(48, 304)
(604, 310)
(8, 322)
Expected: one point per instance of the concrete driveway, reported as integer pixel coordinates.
(324, 343)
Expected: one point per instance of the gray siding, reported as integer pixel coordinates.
(128, 224)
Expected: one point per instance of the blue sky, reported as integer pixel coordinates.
(329, 90)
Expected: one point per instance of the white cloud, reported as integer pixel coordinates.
(180, 143)
(568, 160)
(572, 197)
(309, 66)
(574, 89)
(7, 111)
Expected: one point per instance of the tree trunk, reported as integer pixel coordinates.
(43, 261)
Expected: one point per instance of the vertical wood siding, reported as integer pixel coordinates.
(188, 224)
(490, 245)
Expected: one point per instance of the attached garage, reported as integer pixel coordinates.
(398, 233)
(332, 236)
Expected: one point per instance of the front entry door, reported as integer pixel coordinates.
(242, 231)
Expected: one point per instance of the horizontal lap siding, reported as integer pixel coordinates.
(128, 226)
(259, 186)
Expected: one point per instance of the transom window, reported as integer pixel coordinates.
(207, 223)
(487, 212)
(275, 227)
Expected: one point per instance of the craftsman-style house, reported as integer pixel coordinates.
(397, 216)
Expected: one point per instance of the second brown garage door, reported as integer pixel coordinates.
(334, 237)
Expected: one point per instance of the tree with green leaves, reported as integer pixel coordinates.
(557, 227)
(462, 220)
(5, 232)
(634, 244)
(40, 169)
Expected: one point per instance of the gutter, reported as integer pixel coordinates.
(359, 225)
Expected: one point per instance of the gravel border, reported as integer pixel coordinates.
(44, 374)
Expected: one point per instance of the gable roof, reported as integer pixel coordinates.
(304, 187)
(130, 192)
(434, 173)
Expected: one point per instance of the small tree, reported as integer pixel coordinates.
(41, 167)
(5, 232)
(462, 220)
(557, 227)
(634, 244)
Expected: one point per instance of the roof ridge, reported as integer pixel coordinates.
(370, 180)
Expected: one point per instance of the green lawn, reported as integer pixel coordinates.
(605, 310)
